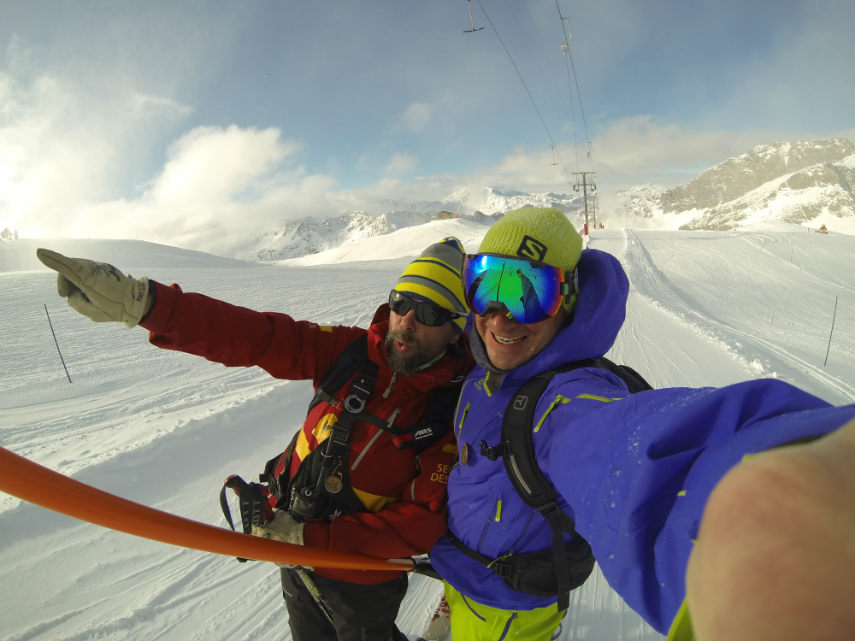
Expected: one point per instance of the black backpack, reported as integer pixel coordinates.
(310, 494)
(567, 565)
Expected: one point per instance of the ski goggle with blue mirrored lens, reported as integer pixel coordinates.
(531, 292)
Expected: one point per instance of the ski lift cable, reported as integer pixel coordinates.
(527, 90)
(572, 112)
(575, 77)
(542, 77)
(565, 46)
(563, 20)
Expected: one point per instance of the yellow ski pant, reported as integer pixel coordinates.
(473, 621)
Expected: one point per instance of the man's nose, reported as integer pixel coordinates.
(408, 320)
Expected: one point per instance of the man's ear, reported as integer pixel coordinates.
(455, 337)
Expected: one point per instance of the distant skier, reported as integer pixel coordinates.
(367, 472)
(734, 504)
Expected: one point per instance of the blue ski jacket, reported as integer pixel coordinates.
(634, 472)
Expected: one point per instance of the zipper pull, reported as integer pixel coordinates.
(391, 383)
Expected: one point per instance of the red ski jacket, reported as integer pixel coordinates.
(403, 491)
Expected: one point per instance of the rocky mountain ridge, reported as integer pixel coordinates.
(807, 183)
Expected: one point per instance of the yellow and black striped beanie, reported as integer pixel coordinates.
(436, 275)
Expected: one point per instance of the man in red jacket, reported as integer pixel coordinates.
(367, 472)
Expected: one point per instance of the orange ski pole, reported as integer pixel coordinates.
(32, 482)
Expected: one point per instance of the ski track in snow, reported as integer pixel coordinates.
(736, 333)
(165, 429)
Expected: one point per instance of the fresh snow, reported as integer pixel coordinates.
(164, 429)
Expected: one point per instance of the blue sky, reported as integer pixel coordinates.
(152, 119)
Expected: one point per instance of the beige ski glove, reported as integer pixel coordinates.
(98, 290)
(283, 528)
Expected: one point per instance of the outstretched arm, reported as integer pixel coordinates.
(780, 565)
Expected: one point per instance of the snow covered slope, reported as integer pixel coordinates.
(165, 429)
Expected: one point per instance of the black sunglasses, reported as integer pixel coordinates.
(427, 313)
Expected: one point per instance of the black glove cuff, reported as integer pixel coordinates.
(152, 293)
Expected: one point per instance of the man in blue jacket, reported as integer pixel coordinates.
(662, 484)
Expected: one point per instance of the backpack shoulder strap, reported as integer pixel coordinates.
(434, 423)
(346, 364)
(517, 451)
(528, 480)
(634, 381)
(431, 426)
(517, 447)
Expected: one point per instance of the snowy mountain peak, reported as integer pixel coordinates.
(807, 183)
(295, 238)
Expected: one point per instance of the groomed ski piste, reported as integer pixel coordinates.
(164, 429)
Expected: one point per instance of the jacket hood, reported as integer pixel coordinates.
(597, 318)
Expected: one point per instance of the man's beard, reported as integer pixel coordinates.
(408, 362)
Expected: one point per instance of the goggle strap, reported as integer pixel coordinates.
(570, 285)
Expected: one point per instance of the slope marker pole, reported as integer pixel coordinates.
(833, 317)
(55, 342)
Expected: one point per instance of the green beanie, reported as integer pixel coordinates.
(542, 234)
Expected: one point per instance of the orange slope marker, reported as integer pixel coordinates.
(32, 482)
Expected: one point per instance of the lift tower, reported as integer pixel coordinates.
(587, 184)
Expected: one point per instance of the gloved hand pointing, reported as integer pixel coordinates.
(98, 290)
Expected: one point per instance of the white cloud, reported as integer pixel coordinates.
(217, 186)
(400, 164)
(64, 146)
(218, 225)
(209, 165)
(148, 106)
(641, 145)
(49, 161)
(415, 117)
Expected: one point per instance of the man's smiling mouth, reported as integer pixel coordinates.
(508, 341)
